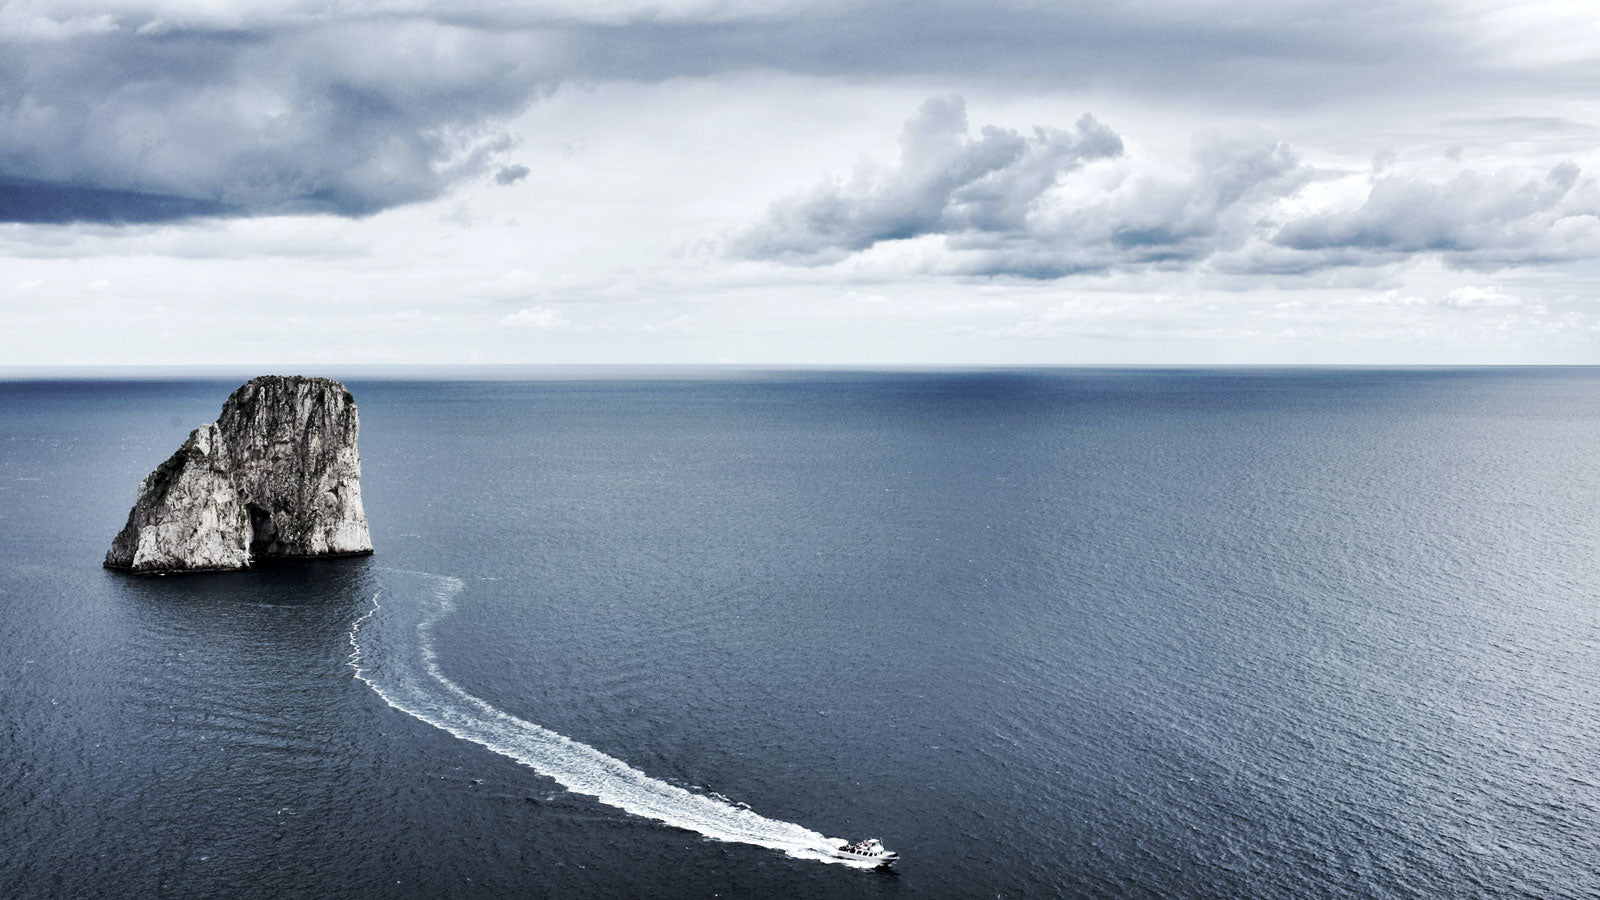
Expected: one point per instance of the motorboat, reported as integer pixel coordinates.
(869, 850)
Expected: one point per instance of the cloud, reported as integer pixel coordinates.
(1472, 221)
(24, 21)
(238, 239)
(1392, 298)
(1479, 298)
(1029, 206)
(38, 202)
(947, 182)
(539, 318)
(1014, 204)
(510, 175)
(137, 111)
(1148, 217)
(1237, 48)
(349, 117)
(509, 286)
(682, 324)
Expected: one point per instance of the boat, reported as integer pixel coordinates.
(869, 850)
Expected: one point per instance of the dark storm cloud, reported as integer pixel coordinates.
(36, 203)
(345, 118)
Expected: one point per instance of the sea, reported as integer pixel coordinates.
(1175, 633)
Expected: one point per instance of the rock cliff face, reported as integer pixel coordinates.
(278, 474)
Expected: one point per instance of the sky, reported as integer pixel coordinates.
(899, 182)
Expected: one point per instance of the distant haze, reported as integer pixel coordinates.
(719, 181)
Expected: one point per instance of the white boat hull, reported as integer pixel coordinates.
(866, 853)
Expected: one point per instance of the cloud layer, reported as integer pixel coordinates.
(162, 121)
(1009, 204)
(153, 110)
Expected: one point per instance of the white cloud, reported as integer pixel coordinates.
(1245, 205)
(539, 318)
(946, 182)
(683, 324)
(511, 284)
(1390, 298)
(1472, 220)
(1489, 297)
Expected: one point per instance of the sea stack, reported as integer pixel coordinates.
(277, 475)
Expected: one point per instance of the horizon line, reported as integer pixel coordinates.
(571, 371)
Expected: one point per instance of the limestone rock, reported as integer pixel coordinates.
(278, 474)
(189, 515)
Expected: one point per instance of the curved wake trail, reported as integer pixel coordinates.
(393, 653)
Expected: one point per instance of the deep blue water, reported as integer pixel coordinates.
(1216, 633)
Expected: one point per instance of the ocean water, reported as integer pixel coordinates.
(1099, 633)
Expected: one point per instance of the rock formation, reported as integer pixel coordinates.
(277, 474)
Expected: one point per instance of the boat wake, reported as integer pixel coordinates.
(392, 651)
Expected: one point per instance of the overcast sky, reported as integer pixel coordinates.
(836, 182)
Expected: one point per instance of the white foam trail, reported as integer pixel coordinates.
(407, 675)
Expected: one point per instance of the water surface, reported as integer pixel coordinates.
(1243, 633)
